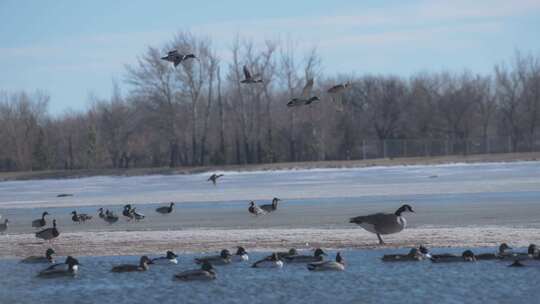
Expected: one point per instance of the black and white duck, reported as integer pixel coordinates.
(271, 261)
(169, 258)
(68, 269)
(223, 258)
(337, 265)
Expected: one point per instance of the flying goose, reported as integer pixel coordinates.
(48, 233)
(254, 209)
(317, 256)
(271, 207)
(339, 88)
(337, 265)
(64, 195)
(206, 273)
(48, 258)
(466, 256)
(305, 99)
(271, 261)
(4, 226)
(248, 78)
(240, 255)
(177, 58)
(214, 177)
(165, 209)
(169, 258)
(80, 218)
(69, 268)
(223, 258)
(383, 223)
(144, 261)
(40, 222)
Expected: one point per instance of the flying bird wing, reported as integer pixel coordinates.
(307, 88)
(247, 74)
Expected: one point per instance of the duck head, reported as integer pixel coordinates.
(206, 266)
(468, 256)
(274, 257)
(293, 251)
(225, 254)
(171, 255)
(339, 258)
(532, 250)
(404, 208)
(319, 252)
(241, 251)
(145, 261)
(49, 252)
(504, 247)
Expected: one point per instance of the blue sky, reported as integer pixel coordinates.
(71, 49)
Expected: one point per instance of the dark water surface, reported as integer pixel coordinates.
(366, 280)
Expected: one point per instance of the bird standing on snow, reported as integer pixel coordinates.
(214, 177)
(383, 223)
(305, 99)
(250, 79)
(177, 58)
(49, 233)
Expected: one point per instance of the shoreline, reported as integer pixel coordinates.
(115, 243)
(405, 161)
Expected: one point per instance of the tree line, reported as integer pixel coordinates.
(200, 113)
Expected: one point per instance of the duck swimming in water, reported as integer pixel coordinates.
(383, 223)
(255, 210)
(241, 255)
(143, 266)
(206, 273)
(70, 268)
(414, 255)
(48, 258)
(80, 218)
(317, 256)
(223, 258)
(110, 217)
(503, 252)
(284, 254)
(466, 256)
(49, 233)
(170, 258)
(41, 221)
(337, 265)
(271, 207)
(271, 261)
(165, 209)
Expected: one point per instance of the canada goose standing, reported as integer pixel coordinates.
(271, 261)
(383, 223)
(306, 97)
(254, 209)
(48, 258)
(214, 177)
(206, 273)
(48, 233)
(144, 261)
(271, 207)
(317, 256)
(337, 265)
(40, 222)
(69, 268)
(248, 78)
(177, 58)
(223, 258)
(165, 209)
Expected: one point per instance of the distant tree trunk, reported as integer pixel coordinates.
(222, 151)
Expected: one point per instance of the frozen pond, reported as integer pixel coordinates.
(366, 280)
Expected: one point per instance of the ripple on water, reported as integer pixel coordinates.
(366, 280)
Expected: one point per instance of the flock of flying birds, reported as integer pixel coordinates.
(378, 223)
(306, 98)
